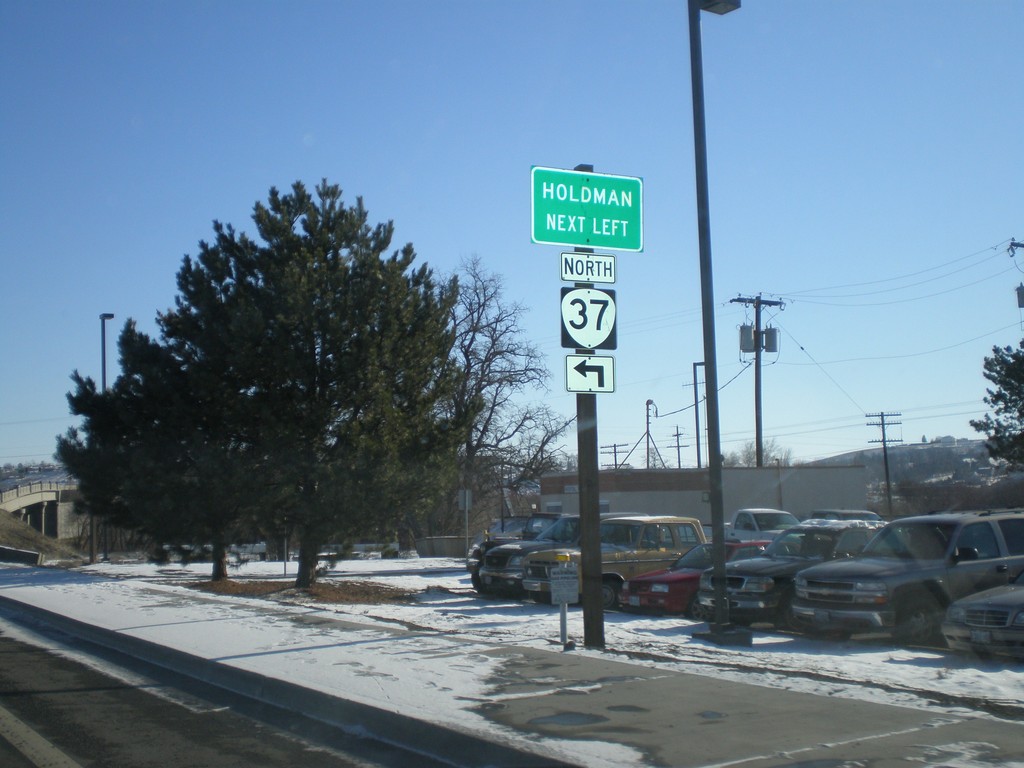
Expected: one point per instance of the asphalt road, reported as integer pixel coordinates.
(60, 713)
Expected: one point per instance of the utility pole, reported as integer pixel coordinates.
(647, 433)
(679, 446)
(758, 302)
(614, 450)
(885, 448)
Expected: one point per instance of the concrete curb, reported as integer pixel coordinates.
(443, 743)
(20, 556)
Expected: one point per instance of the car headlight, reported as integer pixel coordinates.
(515, 562)
(705, 581)
(956, 614)
(759, 584)
(1018, 620)
(873, 592)
(801, 582)
(659, 587)
(870, 586)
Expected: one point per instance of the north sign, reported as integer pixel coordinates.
(586, 209)
(579, 267)
(589, 373)
(588, 318)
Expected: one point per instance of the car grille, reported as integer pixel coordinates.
(830, 591)
(732, 583)
(495, 561)
(986, 617)
(538, 571)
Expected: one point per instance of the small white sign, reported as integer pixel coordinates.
(587, 267)
(565, 584)
(589, 373)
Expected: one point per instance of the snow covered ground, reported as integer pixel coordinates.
(874, 670)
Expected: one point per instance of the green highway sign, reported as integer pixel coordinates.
(587, 210)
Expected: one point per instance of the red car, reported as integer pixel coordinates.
(675, 590)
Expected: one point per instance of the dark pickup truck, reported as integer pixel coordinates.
(903, 580)
(760, 589)
(522, 530)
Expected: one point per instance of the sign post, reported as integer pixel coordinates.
(587, 210)
(565, 589)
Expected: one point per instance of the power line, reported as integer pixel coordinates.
(908, 275)
(614, 451)
(912, 354)
(900, 301)
(823, 371)
(720, 388)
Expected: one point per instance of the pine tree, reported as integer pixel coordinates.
(1005, 430)
(338, 352)
(302, 380)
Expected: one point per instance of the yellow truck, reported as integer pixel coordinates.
(631, 545)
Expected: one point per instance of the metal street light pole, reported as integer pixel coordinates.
(103, 381)
(696, 411)
(720, 630)
(103, 346)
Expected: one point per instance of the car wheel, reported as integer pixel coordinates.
(917, 620)
(544, 598)
(784, 618)
(697, 611)
(610, 593)
(478, 584)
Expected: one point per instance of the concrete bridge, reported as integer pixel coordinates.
(45, 505)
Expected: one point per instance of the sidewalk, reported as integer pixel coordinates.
(483, 704)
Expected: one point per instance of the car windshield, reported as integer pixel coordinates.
(698, 557)
(912, 541)
(564, 531)
(744, 552)
(806, 545)
(536, 525)
(774, 521)
(853, 540)
(844, 514)
(510, 527)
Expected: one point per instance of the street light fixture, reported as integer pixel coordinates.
(720, 632)
(720, 7)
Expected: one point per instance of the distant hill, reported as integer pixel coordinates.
(944, 459)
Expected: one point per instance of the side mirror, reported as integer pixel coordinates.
(964, 554)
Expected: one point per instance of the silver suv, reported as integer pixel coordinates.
(903, 580)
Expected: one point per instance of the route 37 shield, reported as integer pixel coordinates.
(588, 318)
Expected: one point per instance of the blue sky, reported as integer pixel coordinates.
(865, 169)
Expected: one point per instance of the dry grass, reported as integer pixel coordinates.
(348, 592)
(18, 535)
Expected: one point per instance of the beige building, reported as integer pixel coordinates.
(798, 490)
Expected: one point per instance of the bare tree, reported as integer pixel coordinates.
(511, 442)
(747, 455)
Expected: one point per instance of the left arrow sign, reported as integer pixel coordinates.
(589, 373)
